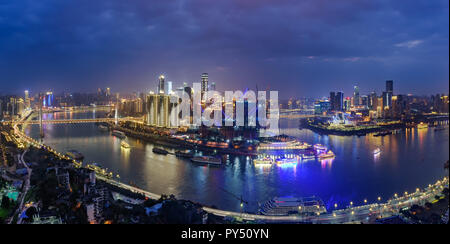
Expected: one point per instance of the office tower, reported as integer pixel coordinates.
(373, 101)
(168, 88)
(204, 85)
(356, 96)
(108, 91)
(339, 101)
(390, 92)
(387, 99)
(365, 101)
(161, 89)
(27, 99)
(333, 100)
(347, 103)
(213, 86)
(390, 86)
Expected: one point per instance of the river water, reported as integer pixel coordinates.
(410, 159)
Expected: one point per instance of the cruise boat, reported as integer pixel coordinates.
(263, 161)
(377, 151)
(320, 147)
(159, 151)
(384, 133)
(184, 154)
(123, 144)
(285, 206)
(422, 125)
(328, 154)
(207, 160)
(119, 134)
(75, 154)
(308, 156)
(282, 161)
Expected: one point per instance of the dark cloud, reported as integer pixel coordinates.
(301, 48)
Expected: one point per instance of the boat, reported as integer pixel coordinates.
(285, 206)
(207, 160)
(383, 133)
(160, 151)
(320, 147)
(184, 154)
(75, 154)
(376, 151)
(263, 161)
(422, 125)
(308, 156)
(103, 128)
(282, 161)
(119, 134)
(123, 144)
(328, 154)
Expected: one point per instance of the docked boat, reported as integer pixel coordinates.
(383, 133)
(103, 128)
(119, 134)
(308, 156)
(160, 151)
(75, 154)
(207, 160)
(123, 144)
(320, 147)
(328, 154)
(422, 125)
(184, 154)
(263, 161)
(376, 151)
(282, 161)
(285, 206)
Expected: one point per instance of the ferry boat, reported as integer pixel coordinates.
(320, 147)
(328, 154)
(377, 151)
(184, 154)
(119, 134)
(282, 161)
(285, 206)
(75, 154)
(123, 144)
(159, 151)
(207, 160)
(422, 125)
(263, 161)
(308, 156)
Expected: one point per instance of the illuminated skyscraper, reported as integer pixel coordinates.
(213, 86)
(27, 99)
(161, 88)
(389, 92)
(356, 96)
(108, 91)
(204, 84)
(168, 88)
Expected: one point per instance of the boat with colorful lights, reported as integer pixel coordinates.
(320, 147)
(422, 125)
(263, 161)
(123, 144)
(328, 154)
(282, 161)
(377, 151)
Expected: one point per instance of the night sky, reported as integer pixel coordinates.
(301, 48)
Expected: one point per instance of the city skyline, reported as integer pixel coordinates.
(86, 49)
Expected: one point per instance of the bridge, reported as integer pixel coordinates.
(66, 121)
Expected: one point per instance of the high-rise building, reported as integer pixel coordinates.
(213, 86)
(339, 101)
(332, 100)
(373, 101)
(168, 87)
(390, 86)
(356, 96)
(204, 85)
(108, 91)
(161, 88)
(27, 99)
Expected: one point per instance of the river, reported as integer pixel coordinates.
(410, 159)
